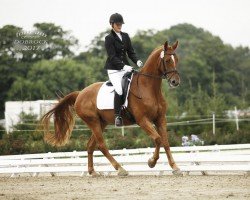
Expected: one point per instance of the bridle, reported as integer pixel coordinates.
(164, 75)
(166, 72)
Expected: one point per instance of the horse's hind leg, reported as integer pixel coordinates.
(90, 148)
(96, 128)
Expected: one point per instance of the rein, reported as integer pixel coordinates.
(165, 73)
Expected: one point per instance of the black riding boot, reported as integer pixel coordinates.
(117, 107)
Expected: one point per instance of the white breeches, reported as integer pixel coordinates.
(115, 76)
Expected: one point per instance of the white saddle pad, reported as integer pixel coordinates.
(105, 97)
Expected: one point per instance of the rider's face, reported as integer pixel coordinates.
(117, 27)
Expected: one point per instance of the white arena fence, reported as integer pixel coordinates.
(204, 159)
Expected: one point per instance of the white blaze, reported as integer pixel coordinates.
(172, 57)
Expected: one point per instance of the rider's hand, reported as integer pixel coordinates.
(139, 63)
(128, 68)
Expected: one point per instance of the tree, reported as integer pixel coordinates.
(8, 62)
(97, 46)
(48, 76)
(15, 64)
(59, 41)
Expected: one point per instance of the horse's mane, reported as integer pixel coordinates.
(156, 49)
(153, 53)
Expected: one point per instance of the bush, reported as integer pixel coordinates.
(30, 141)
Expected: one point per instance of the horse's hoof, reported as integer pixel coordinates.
(177, 172)
(151, 162)
(95, 174)
(122, 172)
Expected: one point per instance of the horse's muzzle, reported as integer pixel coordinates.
(174, 81)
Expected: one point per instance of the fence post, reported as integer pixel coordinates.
(214, 123)
(123, 131)
(236, 118)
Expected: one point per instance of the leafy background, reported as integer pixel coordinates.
(214, 79)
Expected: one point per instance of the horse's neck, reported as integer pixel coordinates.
(151, 65)
(147, 83)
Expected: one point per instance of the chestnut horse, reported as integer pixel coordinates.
(145, 102)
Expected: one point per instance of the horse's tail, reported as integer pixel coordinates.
(64, 120)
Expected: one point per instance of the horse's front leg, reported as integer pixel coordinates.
(152, 161)
(161, 125)
(147, 125)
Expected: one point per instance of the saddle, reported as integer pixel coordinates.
(126, 79)
(105, 96)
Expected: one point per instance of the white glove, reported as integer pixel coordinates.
(139, 63)
(128, 68)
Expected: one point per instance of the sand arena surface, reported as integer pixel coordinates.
(130, 187)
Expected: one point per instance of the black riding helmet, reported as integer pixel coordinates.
(116, 18)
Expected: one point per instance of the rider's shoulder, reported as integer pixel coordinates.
(109, 37)
(124, 33)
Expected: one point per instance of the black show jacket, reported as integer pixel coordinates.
(118, 50)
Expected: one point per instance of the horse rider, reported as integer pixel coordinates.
(118, 46)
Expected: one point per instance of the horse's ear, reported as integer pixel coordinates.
(175, 45)
(166, 46)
